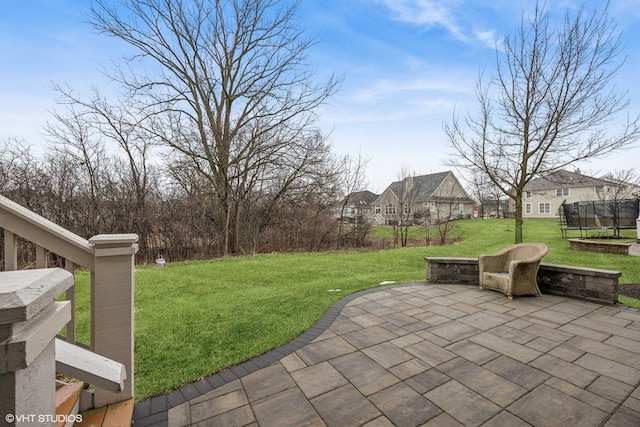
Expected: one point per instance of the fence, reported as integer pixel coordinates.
(600, 214)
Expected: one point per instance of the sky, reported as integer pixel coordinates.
(407, 66)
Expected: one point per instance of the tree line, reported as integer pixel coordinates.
(207, 147)
(89, 190)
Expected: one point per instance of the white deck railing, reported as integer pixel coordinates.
(109, 258)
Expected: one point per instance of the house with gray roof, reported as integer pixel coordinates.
(543, 196)
(415, 199)
(355, 205)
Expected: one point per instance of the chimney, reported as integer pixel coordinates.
(408, 184)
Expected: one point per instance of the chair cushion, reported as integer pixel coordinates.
(497, 281)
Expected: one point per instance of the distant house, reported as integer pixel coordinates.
(355, 205)
(492, 208)
(543, 196)
(415, 199)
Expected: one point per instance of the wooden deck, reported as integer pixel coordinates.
(114, 415)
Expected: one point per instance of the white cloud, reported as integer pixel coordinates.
(404, 91)
(454, 16)
(426, 13)
(488, 38)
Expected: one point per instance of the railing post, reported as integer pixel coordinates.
(112, 306)
(29, 321)
(10, 251)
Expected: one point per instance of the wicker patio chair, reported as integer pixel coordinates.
(512, 270)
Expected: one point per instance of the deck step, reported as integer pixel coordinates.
(93, 417)
(77, 362)
(115, 415)
(68, 401)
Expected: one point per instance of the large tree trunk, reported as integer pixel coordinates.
(519, 219)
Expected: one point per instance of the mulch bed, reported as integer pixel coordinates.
(631, 291)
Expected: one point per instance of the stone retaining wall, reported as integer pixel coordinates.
(453, 270)
(602, 247)
(574, 282)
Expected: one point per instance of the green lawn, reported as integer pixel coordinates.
(196, 318)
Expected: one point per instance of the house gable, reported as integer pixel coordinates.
(451, 189)
(423, 193)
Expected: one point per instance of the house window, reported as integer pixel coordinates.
(377, 209)
(407, 208)
(461, 209)
(560, 192)
(527, 208)
(390, 209)
(528, 194)
(544, 208)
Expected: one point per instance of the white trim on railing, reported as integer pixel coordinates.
(92, 368)
(31, 226)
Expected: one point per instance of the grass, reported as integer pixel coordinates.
(196, 318)
(631, 302)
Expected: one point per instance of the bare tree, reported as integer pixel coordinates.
(23, 175)
(549, 104)
(228, 86)
(13, 154)
(625, 184)
(83, 132)
(402, 215)
(620, 198)
(485, 193)
(352, 179)
(449, 206)
(406, 198)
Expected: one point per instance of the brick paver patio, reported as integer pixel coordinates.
(431, 355)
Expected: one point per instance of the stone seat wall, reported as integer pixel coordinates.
(563, 280)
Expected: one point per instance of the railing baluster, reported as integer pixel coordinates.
(41, 257)
(10, 251)
(71, 297)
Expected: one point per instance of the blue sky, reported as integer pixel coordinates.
(406, 64)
